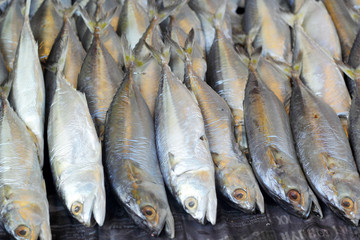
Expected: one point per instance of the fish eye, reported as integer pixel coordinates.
(347, 203)
(240, 194)
(149, 212)
(22, 231)
(76, 208)
(294, 196)
(191, 203)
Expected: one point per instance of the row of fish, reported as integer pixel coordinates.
(129, 77)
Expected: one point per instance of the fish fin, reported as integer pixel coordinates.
(126, 49)
(104, 22)
(349, 71)
(253, 60)
(27, 9)
(170, 10)
(189, 42)
(170, 225)
(160, 57)
(69, 12)
(239, 39)
(315, 208)
(178, 49)
(251, 38)
(281, 66)
(289, 18)
(219, 16)
(87, 19)
(274, 153)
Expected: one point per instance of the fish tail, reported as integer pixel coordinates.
(161, 57)
(218, 18)
(68, 13)
(27, 9)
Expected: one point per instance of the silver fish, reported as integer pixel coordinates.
(182, 147)
(324, 152)
(131, 159)
(108, 36)
(75, 154)
(317, 23)
(46, 25)
(10, 29)
(23, 204)
(346, 27)
(75, 55)
(272, 150)
(99, 79)
(133, 21)
(265, 28)
(321, 74)
(29, 102)
(234, 176)
(227, 74)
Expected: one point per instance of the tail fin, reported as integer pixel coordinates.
(160, 57)
(218, 18)
(27, 10)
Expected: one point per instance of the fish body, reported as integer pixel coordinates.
(3, 70)
(29, 102)
(263, 22)
(346, 27)
(324, 152)
(277, 81)
(10, 29)
(227, 75)
(23, 203)
(183, 149)
(234, 176)
(133, 21)
(75, 55)
(321, 74)
(99, 79)
(272, 150)
(131, 160)
(46, 25)
(75, 154)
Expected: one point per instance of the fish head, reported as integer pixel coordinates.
(84, 196)
(346, 201)
(149, 208)
(197, 195)
(288, 184)
(24, 218)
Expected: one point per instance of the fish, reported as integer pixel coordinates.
(108, 36)
(266, 28)
(346, 27)
(99, 79)
(131, 160)
(46, 25)
(233, 173)
(68, 39)
(317, 23)
(75, 153)
(182, 146)
(205, 10)
(133, 21)
(227, 74)
(272, 152)
(10, 29)
(324, 152)
(29, 102)
(197, 54)
(24, 209)
(321, 74)
(149, 79)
